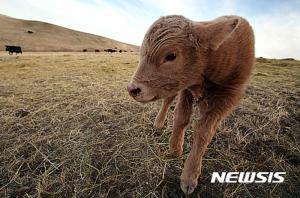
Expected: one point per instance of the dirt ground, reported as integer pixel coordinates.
(69, 129)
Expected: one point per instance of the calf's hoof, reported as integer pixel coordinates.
(175, 146)
(176, 151)
(188, 185)
(158, 123)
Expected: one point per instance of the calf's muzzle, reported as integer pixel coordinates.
(133, 90)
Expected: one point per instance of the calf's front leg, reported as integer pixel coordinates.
(211, 115)
(161, 116)
(182, 115)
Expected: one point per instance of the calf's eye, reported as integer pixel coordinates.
(170, 57)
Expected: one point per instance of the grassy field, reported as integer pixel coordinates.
(69, 129)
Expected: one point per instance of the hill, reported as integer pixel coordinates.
(41, 36)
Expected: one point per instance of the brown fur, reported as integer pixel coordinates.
(214, 60)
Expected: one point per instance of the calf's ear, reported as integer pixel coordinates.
(212, 34)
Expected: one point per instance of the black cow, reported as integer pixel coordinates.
(110, 50)
(12, 49)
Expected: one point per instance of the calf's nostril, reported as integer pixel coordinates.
(135, 92)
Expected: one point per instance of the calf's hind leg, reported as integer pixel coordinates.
(182, 115)
(161, 116)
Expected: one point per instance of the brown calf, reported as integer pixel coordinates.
(209, 62)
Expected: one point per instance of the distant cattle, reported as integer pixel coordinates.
(12, 49)
(110, 50)
(84, 50)
(29, 32)
(120, 51)
(96, 50)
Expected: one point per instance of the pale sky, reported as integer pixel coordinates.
(276, 23)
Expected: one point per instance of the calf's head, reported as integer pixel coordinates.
(173, 56)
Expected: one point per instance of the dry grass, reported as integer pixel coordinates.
(68, 128)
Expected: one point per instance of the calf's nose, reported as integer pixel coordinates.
(133, 90)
